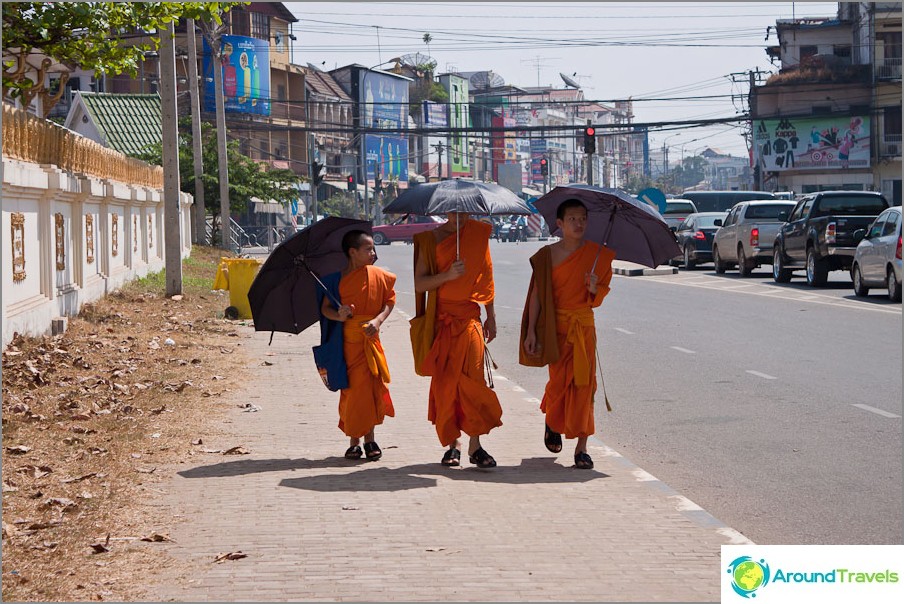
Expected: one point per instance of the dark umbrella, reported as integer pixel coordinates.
(632, 228)
(465, 196)
(283, 296)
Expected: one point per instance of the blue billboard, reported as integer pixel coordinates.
(245, 67)
(384, 105)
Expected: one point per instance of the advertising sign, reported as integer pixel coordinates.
(384, 105)
(459, 117)
(245, 67)
(813, 143)
(435, 114)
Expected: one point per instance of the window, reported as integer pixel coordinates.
(807, 51)
(241, 25)
(850, 205)
(891, 126)
(891, 224)
(842, 50)
(770, 211)
(260, 26)
(876, 229)
(892, 44)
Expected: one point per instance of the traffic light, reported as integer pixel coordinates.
(589, 139)
(544, 167)
(352, 184)
(317, 172)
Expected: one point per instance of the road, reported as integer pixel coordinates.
(777, 408)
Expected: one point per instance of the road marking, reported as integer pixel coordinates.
(765, 376)
(500, 377)
(630, 333)
(518, 308)
(531, 399)
(738, 286)
(518, 389)
(877, 411)
(684, 350)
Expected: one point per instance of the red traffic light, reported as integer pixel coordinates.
(590, 131)
(542, 162)
(351, 179)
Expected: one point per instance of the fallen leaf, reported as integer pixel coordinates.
(157, 537)
(197, 441)
(266, 363)
(18, 450)
(146, 470)
(240, 450)
(230, 556)
(349, 507)
(61, 502)
(211, 450)
(85, 477)
(9, 486)
(99, 548)
(435, 549)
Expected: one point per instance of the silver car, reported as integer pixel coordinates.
(676, 210)
(877, 260)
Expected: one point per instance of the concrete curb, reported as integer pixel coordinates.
(645, 272)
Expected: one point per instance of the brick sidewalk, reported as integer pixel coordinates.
(318, 527)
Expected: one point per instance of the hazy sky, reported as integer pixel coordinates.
(643, 50)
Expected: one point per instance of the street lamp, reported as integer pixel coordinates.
(665, 152)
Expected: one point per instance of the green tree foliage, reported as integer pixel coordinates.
(247, 178)
(340, 204)
(99, 36)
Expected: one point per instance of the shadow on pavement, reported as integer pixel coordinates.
(256, 466)
(537, 470)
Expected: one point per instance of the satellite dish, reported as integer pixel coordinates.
(416, 59)
(569, 81)
(483, 80)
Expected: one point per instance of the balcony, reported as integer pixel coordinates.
(889, 69)
(890, 146)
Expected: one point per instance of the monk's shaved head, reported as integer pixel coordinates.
(567, 205)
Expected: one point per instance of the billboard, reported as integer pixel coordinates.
(812, 143)
(459, 117)
(503, 143)
(245, 67)
(435, 114)
(384, 105)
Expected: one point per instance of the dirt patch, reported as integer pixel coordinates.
(91, 419)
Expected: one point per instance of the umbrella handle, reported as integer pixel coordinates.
(326, 291)
(606, 238)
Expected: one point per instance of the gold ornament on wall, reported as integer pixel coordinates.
(89, 237)
(60, 230)
(115, 236)
(17, 225)
(134, 232)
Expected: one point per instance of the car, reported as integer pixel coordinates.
(695, 237)
(747, 234)
(676, 210)
(877, 259)
(405, 228)
(722, 201)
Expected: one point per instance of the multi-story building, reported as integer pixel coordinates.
(831, 117)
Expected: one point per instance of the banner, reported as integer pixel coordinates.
(812, 143)
(245, 67)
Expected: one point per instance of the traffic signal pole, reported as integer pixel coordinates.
(589, 131)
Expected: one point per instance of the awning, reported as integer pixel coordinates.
(531, 192)
(259, 206)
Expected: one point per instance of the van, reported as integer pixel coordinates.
(722, 201)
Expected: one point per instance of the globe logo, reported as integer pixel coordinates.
(748, 575)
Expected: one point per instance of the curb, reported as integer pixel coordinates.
(645, 272)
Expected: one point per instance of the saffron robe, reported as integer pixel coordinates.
(366, 400)
(571, 354)
(460, 400)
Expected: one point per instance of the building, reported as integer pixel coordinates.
(831, 117)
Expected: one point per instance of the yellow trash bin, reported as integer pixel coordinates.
(236, 275)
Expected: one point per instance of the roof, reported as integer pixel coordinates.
(272, 9)
(129, 123)
(324, 84)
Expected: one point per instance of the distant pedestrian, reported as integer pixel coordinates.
(570, 278)
(360, 372)
(453, 269)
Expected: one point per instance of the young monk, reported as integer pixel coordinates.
(557, 328)
(367, 297)
(459, 277)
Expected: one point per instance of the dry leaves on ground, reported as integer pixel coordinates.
(90, 419)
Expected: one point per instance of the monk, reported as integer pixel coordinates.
(557, 328)
(452, 265)
(367, 297)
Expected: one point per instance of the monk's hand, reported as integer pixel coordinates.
(489, 328)
(530, 343)
(371, 328)
(345, 312)
(591, 279)
(456, 270)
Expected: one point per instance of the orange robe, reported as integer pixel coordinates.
(568, 400)
(366, 401)
(460, 400)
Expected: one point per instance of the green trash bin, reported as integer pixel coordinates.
(236, 275)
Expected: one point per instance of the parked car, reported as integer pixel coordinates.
(819, 234)
(747, 234)
(722, 201)
(695, 237)
(877, 259)
(677, 210)
(405, 228)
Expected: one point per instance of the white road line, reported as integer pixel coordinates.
(877, 411)
(738, 286)
(765, 376)
(518, 389)
(500, 377)
(630, 333)
(531, 399)
(684, 350)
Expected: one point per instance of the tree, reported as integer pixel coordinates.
(340, 204)
(427, 40)
(107, 37)
(247, 178)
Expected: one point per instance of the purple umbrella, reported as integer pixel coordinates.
(632, 228)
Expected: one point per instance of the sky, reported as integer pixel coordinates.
(661, 51)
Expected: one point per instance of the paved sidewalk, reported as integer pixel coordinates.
(318, 527)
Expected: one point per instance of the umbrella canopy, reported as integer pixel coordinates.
(283, 296)
(632, 228)
(467, 196)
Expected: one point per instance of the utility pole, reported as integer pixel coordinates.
(200, 234)
(212, 33)
(172, 243)
(439, 167)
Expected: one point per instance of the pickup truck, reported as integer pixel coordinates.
(747, 235)
(819, 234)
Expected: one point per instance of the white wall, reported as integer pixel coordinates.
(95, 260)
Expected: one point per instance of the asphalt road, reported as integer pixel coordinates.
(777, 408)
